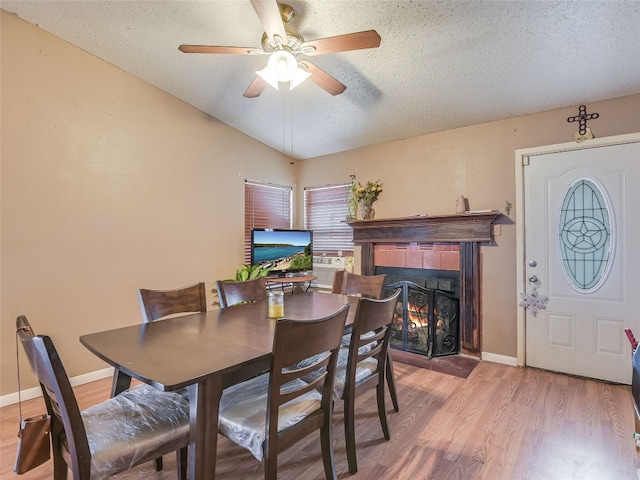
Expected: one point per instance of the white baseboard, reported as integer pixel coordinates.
(36, 392)
(494, 357)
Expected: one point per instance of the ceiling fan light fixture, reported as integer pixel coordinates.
(268, 77)
(282, 66)
(299, 76)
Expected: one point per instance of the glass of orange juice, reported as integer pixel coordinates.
(276, 304)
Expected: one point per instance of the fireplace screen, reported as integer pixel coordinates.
(426, 320)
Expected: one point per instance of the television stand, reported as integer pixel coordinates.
(296, 283)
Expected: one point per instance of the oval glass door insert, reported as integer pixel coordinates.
(585, 235)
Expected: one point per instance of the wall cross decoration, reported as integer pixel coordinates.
(584, 132)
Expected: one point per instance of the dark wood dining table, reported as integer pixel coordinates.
(206, 353)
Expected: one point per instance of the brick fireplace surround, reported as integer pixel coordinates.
(442, 242)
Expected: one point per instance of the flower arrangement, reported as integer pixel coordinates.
(367, 194)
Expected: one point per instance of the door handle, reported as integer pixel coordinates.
(533, 279)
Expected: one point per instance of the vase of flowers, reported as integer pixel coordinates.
(365, 196)
(367, 212)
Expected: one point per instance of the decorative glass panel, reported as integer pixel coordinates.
(584, 238)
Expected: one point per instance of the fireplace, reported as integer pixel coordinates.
(466, 232)
(426, 321)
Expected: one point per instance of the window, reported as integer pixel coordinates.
(585, 235)
(325, 211)
(265, 206)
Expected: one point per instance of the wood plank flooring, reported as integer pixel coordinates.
(500, 423)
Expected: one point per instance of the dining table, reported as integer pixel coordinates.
(205, 353)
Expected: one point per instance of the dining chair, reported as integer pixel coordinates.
(362, 365)
(271, 412)
(370, 286)
(232, 293)
(338, 280)
(139, 425)
(353, 284)
(157, 304)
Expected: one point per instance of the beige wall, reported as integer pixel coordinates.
(109, 185)
(425, 174)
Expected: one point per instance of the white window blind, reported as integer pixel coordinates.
(265, 206)
(325, 211)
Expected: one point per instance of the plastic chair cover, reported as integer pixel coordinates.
(365, 369)
(243, 411)
(144, 415)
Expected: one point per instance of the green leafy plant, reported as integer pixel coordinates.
(249, 272)
(366, 194)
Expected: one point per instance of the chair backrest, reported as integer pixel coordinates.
(338, 281)
(372, 330)
(58, 395)
(295, 341)
(156, 304)
(233, 293)
(369, 286)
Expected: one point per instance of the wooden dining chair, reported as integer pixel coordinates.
(363, 364)
(233, 293)
(137, 426)
(157, 304)
(353, 284)
(271, 412)
(338, 280)
(370, 286)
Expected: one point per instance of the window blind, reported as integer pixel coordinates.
(325, 211)
(265, 206)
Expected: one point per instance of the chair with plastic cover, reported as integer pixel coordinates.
(363, 364)
(157, 304)
(271, 412)
(234, 293)
(137, 426)
(370, 286)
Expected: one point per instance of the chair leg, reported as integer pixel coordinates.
(326, 444)
(270, 461)
(159, 464)
(181, 459)
(60, 467)
(350, 434)
(382, 410)
(391, 382)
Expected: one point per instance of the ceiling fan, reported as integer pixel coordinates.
(284, 45)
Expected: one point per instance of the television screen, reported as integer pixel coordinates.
(283, 251)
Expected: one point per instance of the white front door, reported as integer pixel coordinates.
(581, 251)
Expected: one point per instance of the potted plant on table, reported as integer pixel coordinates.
(244, 273)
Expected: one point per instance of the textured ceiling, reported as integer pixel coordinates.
(440, 65)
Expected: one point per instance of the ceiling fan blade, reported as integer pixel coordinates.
(219, 49)
(269, 15)
(256, 88)
(323, 79)
(342, 43)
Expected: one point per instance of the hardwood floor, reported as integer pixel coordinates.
(500, 423)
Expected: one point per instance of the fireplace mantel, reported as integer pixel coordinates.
(463, 227)
(467, 229)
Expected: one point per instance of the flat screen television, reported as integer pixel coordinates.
(284, 251)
